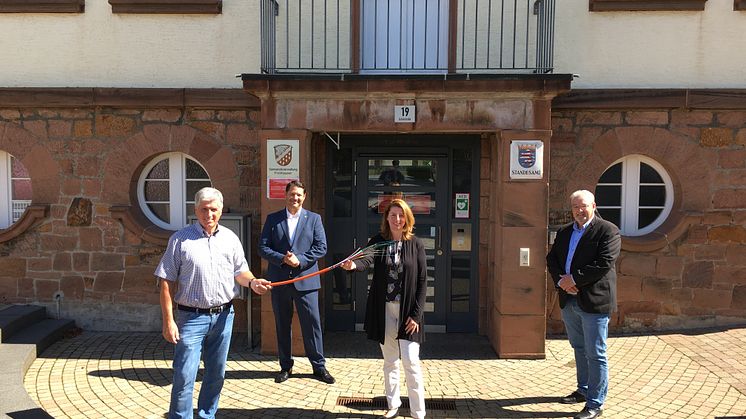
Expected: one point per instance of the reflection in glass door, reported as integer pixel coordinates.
(417, 180)
(438, 177)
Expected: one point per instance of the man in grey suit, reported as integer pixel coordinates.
(292, 241)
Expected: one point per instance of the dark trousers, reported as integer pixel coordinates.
(307, 305)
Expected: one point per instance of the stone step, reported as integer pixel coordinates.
(42, 334)
(18, 317)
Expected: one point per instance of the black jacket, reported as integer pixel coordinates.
(414, 286)
(593, 265)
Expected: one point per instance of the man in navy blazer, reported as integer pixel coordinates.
(582, 263)
(292, 241)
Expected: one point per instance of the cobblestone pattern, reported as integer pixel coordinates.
(108, 375)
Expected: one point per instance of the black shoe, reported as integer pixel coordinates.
(588, 413)
(283, 376)
(323, 375)
(573, 398)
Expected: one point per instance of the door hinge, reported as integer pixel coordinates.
(354, 173)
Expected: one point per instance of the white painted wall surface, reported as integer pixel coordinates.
(651, 49)
(101, 49)
(606, 49)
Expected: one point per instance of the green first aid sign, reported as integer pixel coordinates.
(462, 205)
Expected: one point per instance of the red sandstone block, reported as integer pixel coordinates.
(52, 242)
(646, 117)
(90, 238)
(231, 115)
(45, 290)
(81, 262)
(107, 262)
(731, 119)
(202, 115)
(39, 264)
(684, 117)
(166, 115)
(637, 264)
(108, 282)
(732, 159)
(698, 275)
(669, 266)
(712, 299)
(140, 278)
(214, 129)
(599, 118)
(716, 137)
(114, 126)
(629, 288)
(62, 261)
(71, 187)
(12, 266)
(727, 234)
(88, 166)
(727, 275)
(709, 252)
(92, 187)
(73, 286)
(738, 300)
(8, 288)
(741, 137)
(37, 128)
(10, 114)
(736, 254)
(241, 134)
(656, 289)
(60, 129)
(519, 336)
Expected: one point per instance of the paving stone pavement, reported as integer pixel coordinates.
(699, 374)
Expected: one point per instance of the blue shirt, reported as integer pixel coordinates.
(577, 233)
(204, 266)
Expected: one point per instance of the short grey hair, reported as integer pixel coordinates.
(208, 194)
(582, 193)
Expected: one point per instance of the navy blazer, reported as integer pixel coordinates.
(309, 245)
(593, 265)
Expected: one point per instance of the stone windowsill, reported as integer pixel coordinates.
(669, 232)
(167, 6)
(42, 6)
(136, 224)
(33, 213)
(645, 5)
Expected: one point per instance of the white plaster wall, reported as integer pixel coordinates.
(651, 49)
(101, 49)
(607, 50)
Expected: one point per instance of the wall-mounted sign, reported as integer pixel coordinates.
(526, 159)
(282, 166)
(462, 205)
(404, 113)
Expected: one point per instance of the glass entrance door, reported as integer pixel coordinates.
(438, 178)
(420, 180)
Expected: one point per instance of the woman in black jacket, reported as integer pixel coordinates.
(396, 301)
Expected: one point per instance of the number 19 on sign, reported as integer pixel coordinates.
(404, 113)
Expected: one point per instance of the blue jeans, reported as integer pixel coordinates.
(211, 332)
(587, 333)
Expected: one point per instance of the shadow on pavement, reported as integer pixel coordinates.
(30, 414)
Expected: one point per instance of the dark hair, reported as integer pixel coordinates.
(297, 184)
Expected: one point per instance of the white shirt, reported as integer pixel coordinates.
(292, 222)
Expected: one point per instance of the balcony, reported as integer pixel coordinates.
(407, 37)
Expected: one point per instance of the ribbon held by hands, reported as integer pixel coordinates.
(360, 253)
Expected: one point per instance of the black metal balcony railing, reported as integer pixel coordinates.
(407, 36)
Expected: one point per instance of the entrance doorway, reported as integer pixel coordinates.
(365, 173)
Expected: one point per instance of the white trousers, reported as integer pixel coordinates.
(409, 352)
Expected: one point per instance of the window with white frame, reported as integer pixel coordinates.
(636, 194)
(15, 189)
(166, 189)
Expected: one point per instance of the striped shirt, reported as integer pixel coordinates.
(203, 266)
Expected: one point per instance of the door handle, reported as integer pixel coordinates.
(438, 243)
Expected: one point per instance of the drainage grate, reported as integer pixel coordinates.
(380, 403)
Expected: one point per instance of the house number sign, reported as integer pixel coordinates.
(404, 113)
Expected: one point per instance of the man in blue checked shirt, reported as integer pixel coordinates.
(200, 272)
